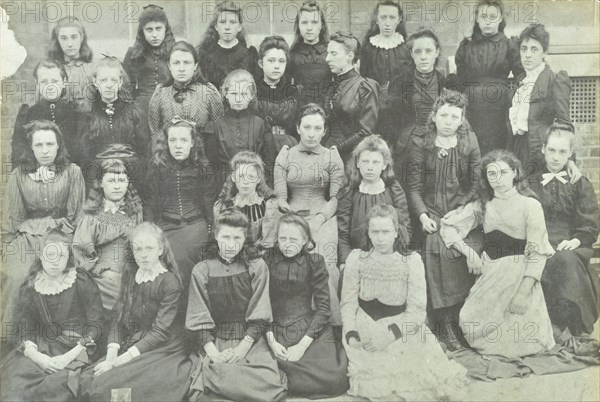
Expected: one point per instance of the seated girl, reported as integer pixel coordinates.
(390, 350)
(505, 313)
(228, 309)
(301, 338)
(246, 189)
(59, 319)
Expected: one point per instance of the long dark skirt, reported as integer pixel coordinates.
(323, 370)
(571, 290)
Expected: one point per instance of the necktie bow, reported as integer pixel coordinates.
(548, 177)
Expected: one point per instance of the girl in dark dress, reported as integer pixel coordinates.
(541, 98)
(385, 56)
(228, 310)
(483, 63)
(571, 212)
(239, 129)
(146, 62)
(223, 48)
(60, 317)
(413, 94)
(116, 125)
(180, 193)
(369, 181)
(301, 338)
(51, 80)
(68, 46)
(246, 188)
(443, 175)
(352, 102)
(277, 99)
(307, 65)
(154, 363)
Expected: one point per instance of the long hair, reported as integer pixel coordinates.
(452, 98)
(162, 154)
(387, 211)
(233, 217)
(115, 64)
(55, 52)
(423, 32)
(27, 159)
(242, 158)
(291, 218)
(183, 46)
(152, 13)
(128, 279)
(373, 143)
(211, 36)
(95, 201)
(374, 28)
(310, 6)
(489, 3)
(485, 193)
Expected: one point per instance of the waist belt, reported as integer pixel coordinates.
(377, 310)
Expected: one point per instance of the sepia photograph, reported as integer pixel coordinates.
(329, 200)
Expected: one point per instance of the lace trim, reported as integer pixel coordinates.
(145, 275)
(391, 42)
(47, 285)
(254, 199)
(447, 142)
(373, 189)
(384, 278)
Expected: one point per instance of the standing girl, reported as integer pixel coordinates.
(153, 363)
(246, 188)
(100, 243)
(444, 171)
(300, 338)
(146, 62)
(188, 95)
(369, 181)
(311, 191)
(507, 301)
(308, 67)
(384, 56)
(223, 48)
(483, 63)
(228, 309)
(277, 99)
(383, 311)
(60, 317)
(68, 46)
(180, 195)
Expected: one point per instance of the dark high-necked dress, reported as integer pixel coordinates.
(145, 73)
(219, 61)
(570, 284)
(483, 64)
(308, 68)
(296, 283)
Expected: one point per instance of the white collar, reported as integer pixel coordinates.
(446, 142)
(390, 42)
(113, 206)
(253, 199)
(149, 275)
(46, 285)
(228, 46)
(374, 188)
(532, 75)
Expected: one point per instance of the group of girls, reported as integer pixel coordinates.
(232, 226)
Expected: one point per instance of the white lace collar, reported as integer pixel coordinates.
(46, 285)
(446, 142)
(113, 206)
(149, 275)
(253, 199)
(227, 45)
(383, 42)
(375, 188)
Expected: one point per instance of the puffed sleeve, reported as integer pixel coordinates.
(259, 311)
(143, 138)
(198, 318)
(401, 205)
(131, 70)
(280, 173)
(19, 138)
(215, 104)
(344, 216)
(268, 225)
(538, 249)
(320, 284)
(155, 112)
(462, 73)
(473, 168)
(416, 167)
(90, 300)
(368, 99)
(84, 243)
(335, 171)
(13, 211)
(513, 55)
(586, 215)
(456, 224)
(169, 294)
(152, 197)
(350, 291)
(75, 200)
(365, 60)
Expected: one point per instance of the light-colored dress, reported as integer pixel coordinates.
(387, 293)
(310, 181)
(516, 245)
